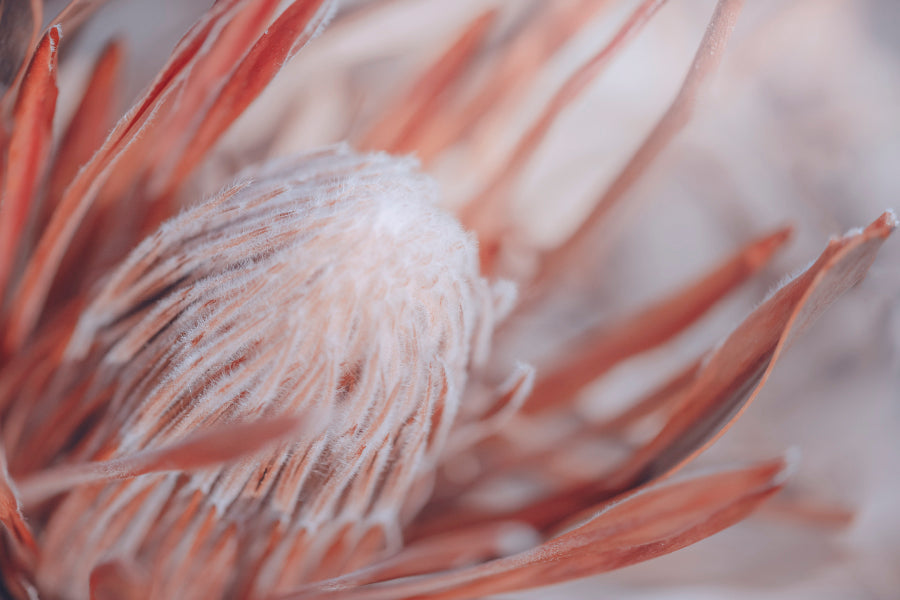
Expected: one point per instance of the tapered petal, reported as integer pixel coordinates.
(598, 351)
(646, 525)
(406, 117)
(28, 149)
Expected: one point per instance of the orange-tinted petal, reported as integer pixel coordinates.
(29, 146)
(211, 72)
(290, 32)
(212, 448)
(679, 113)
(646, 525)
(486, 212)
(726, 383)
(88, 128)
(734, 374)
(602, 349)
(30, 297)
(393, 130)
(283, 38)
(550, 26)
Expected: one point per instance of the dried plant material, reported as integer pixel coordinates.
(732, 376)
(444, 552)
(289, 389)
(541, 457)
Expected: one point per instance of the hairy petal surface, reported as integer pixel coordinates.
(326, 291)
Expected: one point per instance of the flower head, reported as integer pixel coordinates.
(301, 386)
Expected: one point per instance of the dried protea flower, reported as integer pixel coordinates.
(309, 384)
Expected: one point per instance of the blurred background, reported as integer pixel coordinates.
(800, 125)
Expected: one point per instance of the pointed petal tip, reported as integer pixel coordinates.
(885, 224)
(879, 228)
(759, 254)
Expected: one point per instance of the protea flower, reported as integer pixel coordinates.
(306, 385)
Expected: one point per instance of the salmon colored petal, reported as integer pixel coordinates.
(733, 375)
(31, 296)
(29, 146)
(488, 209)
(706, 60)
(726, 383)
(394, 129)
(117, 581)
(542, 458)
(93, 119)
(207, 78)
(86, 131)
(221, 445)
(604, 348)
(291, 31)
(651, 523)
(442, 552)
(155, 148)
(551, 26)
